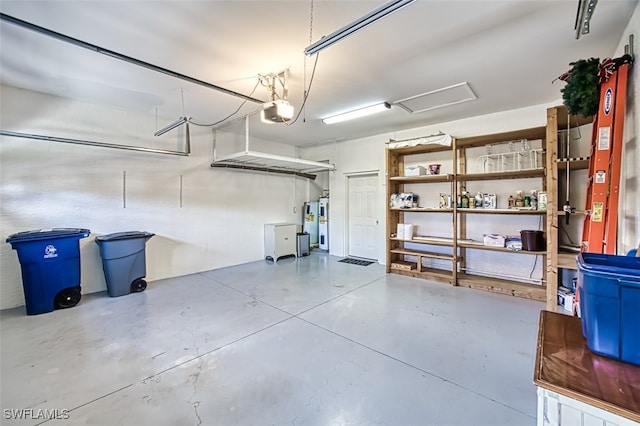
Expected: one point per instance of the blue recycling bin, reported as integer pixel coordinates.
(609, 301)
(123, 261)
(50, 263)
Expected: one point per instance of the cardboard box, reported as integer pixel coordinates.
(401, 264)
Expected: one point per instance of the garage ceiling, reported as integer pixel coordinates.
(508, 52)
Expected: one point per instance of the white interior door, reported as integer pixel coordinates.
(362, 217)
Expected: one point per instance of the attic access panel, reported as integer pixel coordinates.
(440, 98)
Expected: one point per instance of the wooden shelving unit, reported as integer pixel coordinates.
(555, 259)
(557, 119)
(399, 250)
(396, 247)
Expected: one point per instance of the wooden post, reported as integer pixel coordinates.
(552, 209)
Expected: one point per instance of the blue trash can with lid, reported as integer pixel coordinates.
(50, 264)
(123, 261)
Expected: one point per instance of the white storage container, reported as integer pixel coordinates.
(414, 171)
(494, 240)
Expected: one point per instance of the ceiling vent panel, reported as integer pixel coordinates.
(439, 98)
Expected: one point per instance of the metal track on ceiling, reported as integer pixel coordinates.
(116, 55)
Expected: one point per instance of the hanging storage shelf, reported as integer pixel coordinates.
(271, 163)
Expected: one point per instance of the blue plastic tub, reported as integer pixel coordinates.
(610, 304)
(50, 264)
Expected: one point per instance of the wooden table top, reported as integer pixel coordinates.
(565, 365)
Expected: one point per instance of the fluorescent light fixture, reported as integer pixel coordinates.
(385, 10)
(171, 126)
(356, 113)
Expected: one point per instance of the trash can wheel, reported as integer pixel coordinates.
(67, 298)
(138, 285)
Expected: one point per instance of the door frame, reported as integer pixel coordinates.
(348, 175)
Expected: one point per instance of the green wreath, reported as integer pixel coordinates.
(581, 95)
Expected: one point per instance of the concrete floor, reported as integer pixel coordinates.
(302, 342)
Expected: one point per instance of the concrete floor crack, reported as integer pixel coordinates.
(195, 404)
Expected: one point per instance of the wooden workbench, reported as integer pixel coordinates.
(566, 370)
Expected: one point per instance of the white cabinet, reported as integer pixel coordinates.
(279, 240)
(559, 410)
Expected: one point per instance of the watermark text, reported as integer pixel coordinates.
(35, 414)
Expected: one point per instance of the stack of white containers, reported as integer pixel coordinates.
(404, 231)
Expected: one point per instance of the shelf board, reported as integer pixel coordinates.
(422, 178)
(496, 285)
(420, 149)
(447, 242)
(481, 246)
(534, 133)
(477, 211)
(567, 261)
(423, 210)
(574, 163)
(423, 254)
(426, 273)
(503, 211)
(515, 174)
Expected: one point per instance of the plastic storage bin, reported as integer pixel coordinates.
(123, 261)
(532, 240)
(50, 263)
(609, 288)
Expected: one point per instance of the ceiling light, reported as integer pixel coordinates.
(277, 111)
(356, 113)
(385, 10)
(171, 126)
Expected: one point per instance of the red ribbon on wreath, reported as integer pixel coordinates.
(564, 77)
(606, 69)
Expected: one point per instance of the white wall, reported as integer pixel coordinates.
(629, 215)
(50, 185)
